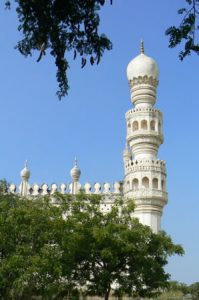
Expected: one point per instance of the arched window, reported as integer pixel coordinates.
(144, 124)
(152, 125)
(135, 125)
(145, 182)
(135, 183)
(155, 183)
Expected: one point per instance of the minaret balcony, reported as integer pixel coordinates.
(147, 193)
(147, 135)
(145, 165)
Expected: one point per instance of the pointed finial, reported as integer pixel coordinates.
(26, 163)
(142, 47)
(75, 161)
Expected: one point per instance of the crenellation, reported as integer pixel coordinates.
(87, 188)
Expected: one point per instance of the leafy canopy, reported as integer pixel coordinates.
(61, 26)
(187, 31)
(50, 247)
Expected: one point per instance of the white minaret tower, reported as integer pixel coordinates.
(145, 174)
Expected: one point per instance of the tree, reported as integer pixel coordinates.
(29, 251)
(51, 247)
(194, 290)
(175, 291)
(186, 32)
(60, 27)
(171, 295)
(119, 254)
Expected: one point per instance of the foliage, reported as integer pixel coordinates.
(30, 254)
(61, 26)
(186, 32)
(194, 290)
(171, 295)
(178, 286)
(179, 291)
(50, 247)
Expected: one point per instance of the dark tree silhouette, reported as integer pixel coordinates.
(61, 26)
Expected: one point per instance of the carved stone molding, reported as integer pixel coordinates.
(143, 80)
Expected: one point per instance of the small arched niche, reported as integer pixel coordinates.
(144, 125)
(152, 125)
(145, 182)
(155, 183)
(135, 125)
(135, 183)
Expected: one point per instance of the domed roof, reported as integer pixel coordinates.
(142, 65)
(75, 172)
(25, 172)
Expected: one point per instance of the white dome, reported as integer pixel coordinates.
(75, 172)
(142, 65)
(25, 172)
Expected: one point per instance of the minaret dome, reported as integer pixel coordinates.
(142, 74)
(142, 65)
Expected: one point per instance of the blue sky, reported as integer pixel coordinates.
(90, 122)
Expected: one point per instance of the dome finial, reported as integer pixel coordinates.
(25, 173)
(142, 46)
(75, 171)
(75, 162)
(26, 163)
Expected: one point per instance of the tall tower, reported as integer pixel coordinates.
(145, 174)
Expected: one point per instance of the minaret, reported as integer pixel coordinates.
(145, 174)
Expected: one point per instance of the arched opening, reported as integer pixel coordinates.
(145, 182)
(135, 183)
(155, 183)
(135, 125)
(152, 125)
(144, 125)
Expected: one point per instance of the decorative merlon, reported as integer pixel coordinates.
(64, 188)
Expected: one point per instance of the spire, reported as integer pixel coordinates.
(26, 164)
(142, 46)
(75, 162)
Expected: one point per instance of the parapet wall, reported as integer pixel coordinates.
(146, 165)
(64, 188)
